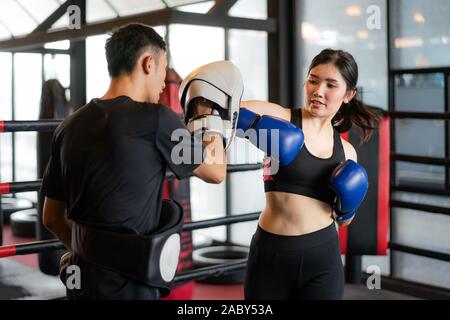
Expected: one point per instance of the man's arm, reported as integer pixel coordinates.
(214, 167)
(55, 220)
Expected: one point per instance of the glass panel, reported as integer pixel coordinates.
(26, 160)
(130, 7)
(62, 22)
(253, 9)
(255, 83)
(247, 196)
(6, 157)
(40, 9)
(193, 46)
(253, 66)
(97, 10)
(432, 200)
(207, 207)
(5, 114)
(408, 132)
(421, 229)
(28, 83)
(421, 269)
(97, 78)
(420, 92)
(57, 66)
(420, 34)
(423, 175)
(5, 86)
(202, 7)
(15, 18)
(63, 44)
(358, 27)
(4, 32)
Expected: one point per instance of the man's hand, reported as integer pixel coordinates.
(64, 263)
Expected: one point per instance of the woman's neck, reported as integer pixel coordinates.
(316, 125)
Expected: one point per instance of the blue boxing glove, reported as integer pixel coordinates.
(278, 138)
(350, 183)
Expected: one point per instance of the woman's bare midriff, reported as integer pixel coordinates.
(293, 214)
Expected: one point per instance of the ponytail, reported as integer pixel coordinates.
(356, 113)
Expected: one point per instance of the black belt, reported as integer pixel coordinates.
(152, 259)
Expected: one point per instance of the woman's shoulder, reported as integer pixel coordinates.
(349, 150)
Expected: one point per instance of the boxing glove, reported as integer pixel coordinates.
(277, 137)
(350, 183)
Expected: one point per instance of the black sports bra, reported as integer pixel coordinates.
(307, 175)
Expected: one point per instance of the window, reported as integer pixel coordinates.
(407, 132)
(27, 93)
(420, 92)
(345, 25)
(193, 46)
(5, 114)
(420, 34)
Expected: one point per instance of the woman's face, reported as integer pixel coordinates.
(325, 91)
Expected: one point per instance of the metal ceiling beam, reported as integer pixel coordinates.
(154, 18)
(58, 13)
(221, 7)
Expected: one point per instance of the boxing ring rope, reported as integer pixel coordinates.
(195, 274)
(27, 186)
(216, 270)
(18, 126)
(50, 245)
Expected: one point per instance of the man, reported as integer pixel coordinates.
(108, 164)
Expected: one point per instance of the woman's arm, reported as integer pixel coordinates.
(349, 150)
(267, 108)
(350, 153)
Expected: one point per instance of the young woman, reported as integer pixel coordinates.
(295, 253)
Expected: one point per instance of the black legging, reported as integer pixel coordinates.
(294, 267)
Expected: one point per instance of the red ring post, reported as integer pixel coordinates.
(4, 188)
(8, 251)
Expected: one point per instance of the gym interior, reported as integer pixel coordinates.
(52, 62)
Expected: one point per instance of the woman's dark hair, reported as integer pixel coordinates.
(353, 112)
(200, 100)
(126, 45)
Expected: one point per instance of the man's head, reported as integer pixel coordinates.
(138, 51)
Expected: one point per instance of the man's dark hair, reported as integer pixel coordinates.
(126, 45)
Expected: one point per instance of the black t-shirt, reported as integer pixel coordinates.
(109, 161)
